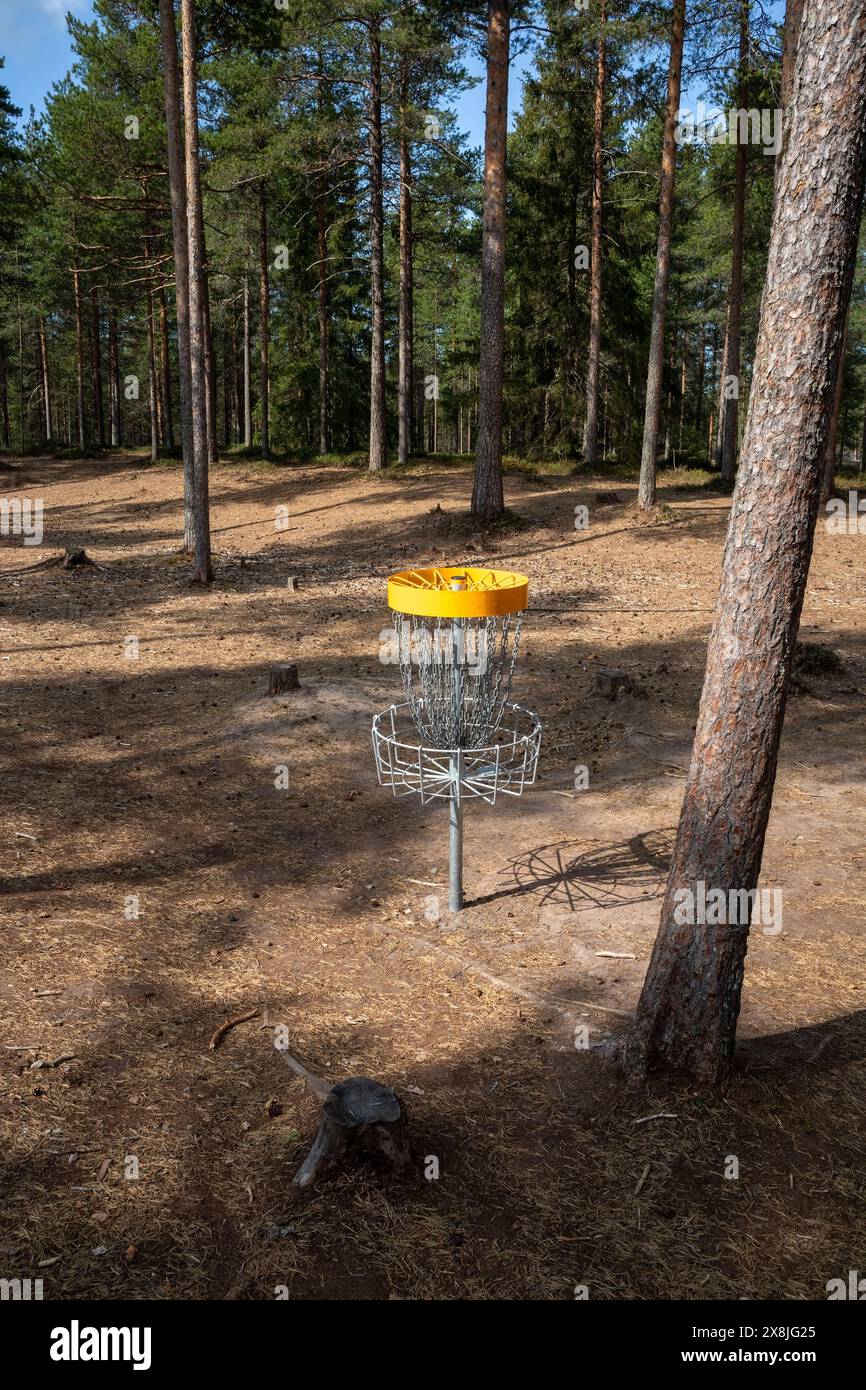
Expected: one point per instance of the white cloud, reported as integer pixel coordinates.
(58, 9)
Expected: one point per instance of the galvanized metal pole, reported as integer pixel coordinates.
(455, 826)
(455, 812)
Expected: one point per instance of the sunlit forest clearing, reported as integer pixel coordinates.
(295, 337)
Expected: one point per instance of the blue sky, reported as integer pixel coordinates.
(34, 41)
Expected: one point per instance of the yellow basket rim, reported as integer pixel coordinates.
(428, 592)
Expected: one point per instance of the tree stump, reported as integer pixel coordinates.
(359, 1118)
(609, 682)
(75, 558)
(283, 677)
(293, 583)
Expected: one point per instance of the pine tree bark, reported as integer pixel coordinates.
(324, 296)
(828, 474)
(79, 345)
(790, 40)
(4, 392)
(264, 320)
(152, 380)
(729, 404)
(590, 433)
(114, 419)
(168, 422)
(209, 359)
(248, 402)
(179, 235)
(717, 442)
(378, 429)
(687, 1013)
(324, 315)
(198, 325)
(405, 372)
(655, 367)
(45, 379)
(96, 364)
(488, 500)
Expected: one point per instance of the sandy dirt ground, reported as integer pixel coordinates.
(157, 881)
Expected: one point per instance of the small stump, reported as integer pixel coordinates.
(283, 677)
(76, 559)
(609, 683)
(359, 1118)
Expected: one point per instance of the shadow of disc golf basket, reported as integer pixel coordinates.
(458, 637)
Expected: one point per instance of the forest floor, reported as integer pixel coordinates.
(152, 778)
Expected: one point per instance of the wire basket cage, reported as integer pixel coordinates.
(503, 767)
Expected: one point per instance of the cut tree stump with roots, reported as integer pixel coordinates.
(610, 683)
(359, 1118)
(283, 677)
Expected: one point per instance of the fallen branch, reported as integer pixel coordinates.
(229, 1024)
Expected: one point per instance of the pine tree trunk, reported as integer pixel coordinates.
(729, 407)
(717, 443)
(168, 438)
(687, 1013)
(488, 500)
(113, 380)
(4, 393)
(324, 331)
(404, 388)
(590, 433)
(790, 40)
(199, 382)
(378, 433)
(45, 382)
(655, 366)
(248, 404)
(79, 347)
(209, 360)
(264, 320)
(96, 332)
(177, 193)
(324, 297)
(702, 368)
(152, 379)
(828, 474)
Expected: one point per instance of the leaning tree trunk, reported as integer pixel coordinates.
(198, 325)
(590, 432)
(687, 1013)
(729, 402)
(177, 195)
(790, 40)
(404, 386)
(828, 473)
(487, 495)
(655, 366)
(378, 437)
(264, 319)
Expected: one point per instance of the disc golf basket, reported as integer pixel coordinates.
(457, 735)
